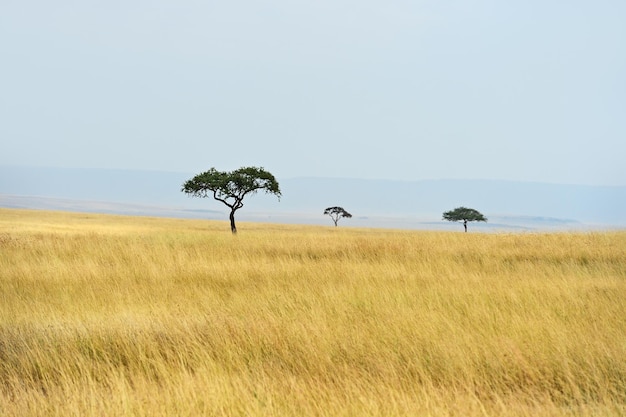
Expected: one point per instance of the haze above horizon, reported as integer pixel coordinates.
(523, 91)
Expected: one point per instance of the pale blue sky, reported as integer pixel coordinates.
(517, 90)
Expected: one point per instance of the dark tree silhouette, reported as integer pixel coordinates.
(337, 213)
(231, 187)
(464, 214)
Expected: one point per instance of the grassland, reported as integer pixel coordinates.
(127, 316)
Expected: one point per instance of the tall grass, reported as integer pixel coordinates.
(112, 315)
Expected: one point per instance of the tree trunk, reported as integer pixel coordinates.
(233, 228)
(465, 225)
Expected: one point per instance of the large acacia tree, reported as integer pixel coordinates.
(337, 213)
(465, 215)
(232, 187)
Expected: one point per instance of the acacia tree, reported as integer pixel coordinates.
(337, 213)
(464, 214)
(231, 187)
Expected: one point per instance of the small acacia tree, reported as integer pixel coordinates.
(464, 214)
(337, 213)
(232, 187)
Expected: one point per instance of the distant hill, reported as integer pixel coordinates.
(386, 203)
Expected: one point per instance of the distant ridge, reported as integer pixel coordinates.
(104, 207)
(411, 204)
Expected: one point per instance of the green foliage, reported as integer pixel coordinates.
(336, 213)
(232, 187)
(464, 214)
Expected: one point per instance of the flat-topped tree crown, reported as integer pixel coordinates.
(232, 187)
(337, 213)
(465, 215)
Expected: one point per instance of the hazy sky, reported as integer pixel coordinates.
(529, 90)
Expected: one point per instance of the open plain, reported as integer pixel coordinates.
(106, 315)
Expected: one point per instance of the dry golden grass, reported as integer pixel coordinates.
(127, 316)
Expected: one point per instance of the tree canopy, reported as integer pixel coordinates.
(232, 187)
(465, 215)
(336, 213)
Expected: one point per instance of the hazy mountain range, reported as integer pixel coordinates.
(509, 205)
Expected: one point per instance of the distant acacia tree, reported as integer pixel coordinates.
(464, 214)
(231, 187)
(336, 213)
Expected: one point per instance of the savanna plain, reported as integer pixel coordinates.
(105, 315)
